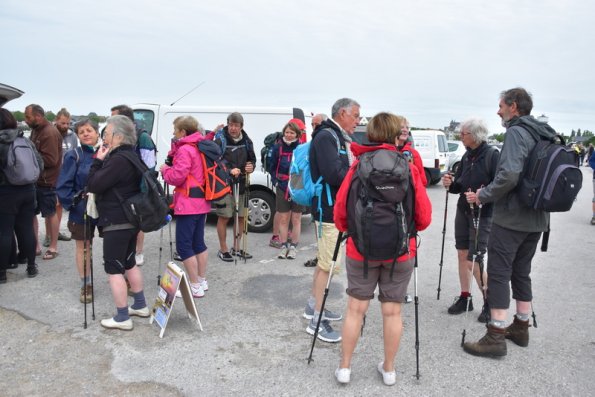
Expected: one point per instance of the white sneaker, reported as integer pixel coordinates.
(283, 252)
(204, 284)
(197, 291)
(143, 312)
(178, 294)
(343, 375)
(389, 378)
(140, 259)
(291, 252)
(110, 323)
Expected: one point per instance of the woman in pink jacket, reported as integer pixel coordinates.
(184, 171)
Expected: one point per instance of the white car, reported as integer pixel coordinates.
(456, 150)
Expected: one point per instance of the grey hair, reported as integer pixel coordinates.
(124, 127)
(343, 103)
(323, 116)
(477, 128)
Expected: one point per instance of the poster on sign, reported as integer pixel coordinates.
(173, 280)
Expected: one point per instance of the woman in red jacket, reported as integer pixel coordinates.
(383, 132)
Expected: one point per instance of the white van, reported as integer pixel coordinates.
(158, 120)
(433, 149)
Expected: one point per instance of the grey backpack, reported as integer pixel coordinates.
(23, 162)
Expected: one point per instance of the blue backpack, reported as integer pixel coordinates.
(301, 186)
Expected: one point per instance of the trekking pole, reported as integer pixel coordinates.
(171, 245)
(160, 251)
(476, 226)
(416, 312)
(328, 282)
(236, 227)
(442, 251)
(92, 284)
(85, 267)
(534, 316)
(246, 215)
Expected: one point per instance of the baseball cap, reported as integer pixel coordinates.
(299, 123)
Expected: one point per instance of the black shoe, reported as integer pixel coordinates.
(177, 256)
(2, 276)
(32, 271)
(311, 262)
(460, 305)
(225, 256)
(241, 254)
(485, 315)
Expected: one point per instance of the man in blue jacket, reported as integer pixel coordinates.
(516, 229)
(330, 158)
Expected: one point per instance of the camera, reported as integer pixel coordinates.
(80, 195)
(169, 160)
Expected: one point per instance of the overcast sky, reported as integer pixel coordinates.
(431, 61)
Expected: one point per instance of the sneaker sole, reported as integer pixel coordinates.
(479, 354)
(322, 338)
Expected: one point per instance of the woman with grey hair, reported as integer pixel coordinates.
(478, 168)
(114, 178)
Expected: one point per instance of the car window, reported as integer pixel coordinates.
(452, 147)
(144, 120)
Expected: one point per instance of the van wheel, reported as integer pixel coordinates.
(428, 177)
(260, 211)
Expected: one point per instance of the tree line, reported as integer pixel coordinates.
(51, 116)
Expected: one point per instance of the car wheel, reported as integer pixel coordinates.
(455, 167)
(261, 210)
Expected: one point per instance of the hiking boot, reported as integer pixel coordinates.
(460, 305)
(225, 256)
(326, 314)
(326, 333)
(311, 262)
(283, 252)
(63, 237)
(292, 252)
(32, 271)
(492, 344)
(343, 375)
(484, 316)
(518, 332)
(140, 259)
(86, 294)
(241, 254)
(275, 242)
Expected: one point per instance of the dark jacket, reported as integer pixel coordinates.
(48, 142)
(116, 172)
(237, 154)
(73, 180)
(509, 212)
(329, 161)
(280, 162)
(478, 168)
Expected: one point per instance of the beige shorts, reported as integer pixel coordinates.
(326, 248)
(225, 207)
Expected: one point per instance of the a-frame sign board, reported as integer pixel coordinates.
(173, 280)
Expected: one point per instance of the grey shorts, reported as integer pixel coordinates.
(378, 274)
(225, 207)
(465, 234)
(284, 204)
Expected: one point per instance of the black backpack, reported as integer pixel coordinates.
(550, 180)
(380, 205)
(266, 153)
(147, 210)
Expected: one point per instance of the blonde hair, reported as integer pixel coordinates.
(384, 127)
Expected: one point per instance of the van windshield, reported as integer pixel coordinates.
(144, 120)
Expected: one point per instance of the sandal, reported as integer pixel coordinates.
(50, 255)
